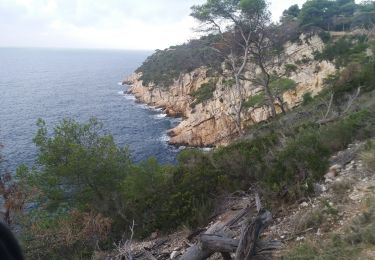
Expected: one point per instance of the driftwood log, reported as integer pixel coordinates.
(218, 238)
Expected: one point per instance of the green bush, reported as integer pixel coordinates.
(78, 172)
(325, 36)
(307, 98)
(345, 50)
(205, 92)
(289, 68)
(254, 101)
(165, 66)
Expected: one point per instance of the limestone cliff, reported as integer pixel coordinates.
(211, 122)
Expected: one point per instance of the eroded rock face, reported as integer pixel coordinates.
(212, 121)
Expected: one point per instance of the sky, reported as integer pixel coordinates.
(103, 24)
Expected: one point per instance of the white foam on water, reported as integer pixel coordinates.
(157, 109)
(129, 97)
(119, 83)
(160, 116)
(164, 138)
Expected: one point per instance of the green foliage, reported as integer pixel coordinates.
(335, 15)
(307, 98)
(253, 6)
(281, 85)
(338, 135)
(289, 68)
(345, 50)
(165, 66)
(77, 176)
(331, 15)
(78, 164)
(325, 36)
(295, 165)
(254, 101)
(317, 13)
(292, 12)
(224, 9)
(205, 92)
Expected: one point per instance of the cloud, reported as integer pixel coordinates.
(125, 24)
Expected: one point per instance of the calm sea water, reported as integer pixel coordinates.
(54, 83)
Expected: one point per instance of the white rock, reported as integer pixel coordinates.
(174, 254)
(300, 238)
(304, 204)
(335, 168)
(330, 175)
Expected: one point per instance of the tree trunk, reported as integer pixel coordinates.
(281, 104)
(218, 239)
(239, 110)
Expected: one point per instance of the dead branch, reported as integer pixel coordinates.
(250, 235)
(351, 100)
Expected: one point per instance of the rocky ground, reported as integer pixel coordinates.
(338, 199)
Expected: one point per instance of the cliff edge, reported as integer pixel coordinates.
(211, 122)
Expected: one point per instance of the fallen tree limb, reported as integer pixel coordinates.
(218, 239)
(250, 235)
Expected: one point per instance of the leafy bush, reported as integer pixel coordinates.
(254, 101)
(325, 36)
(307, 98)
(205, 92)
(77, 177)
(280, 85)
(165, 66)
(289, 68)
(344, 50)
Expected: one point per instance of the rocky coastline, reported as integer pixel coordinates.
(211, 123)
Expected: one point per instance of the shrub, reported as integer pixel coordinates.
(205, 92)
(307, 98)
(325, 36)
(280, 85)
(165, 66)
(254, 101)
(368, 156)
(338, 135)
(77, 177)
(303, 160)
(289, 68)
(345, 50)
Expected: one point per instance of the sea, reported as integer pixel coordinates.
(54, 84)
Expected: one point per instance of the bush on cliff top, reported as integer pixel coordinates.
(165, 66)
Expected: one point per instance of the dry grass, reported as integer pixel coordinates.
(368, 156)
(356, 241)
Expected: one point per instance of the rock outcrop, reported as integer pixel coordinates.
(212, 122)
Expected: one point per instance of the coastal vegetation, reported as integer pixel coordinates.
(84, 192)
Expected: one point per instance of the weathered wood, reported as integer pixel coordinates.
(226, 256)
(217, 239)
(149, 256)
(218, 243)
(197, 252)
(239, 216)
(250, 234)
